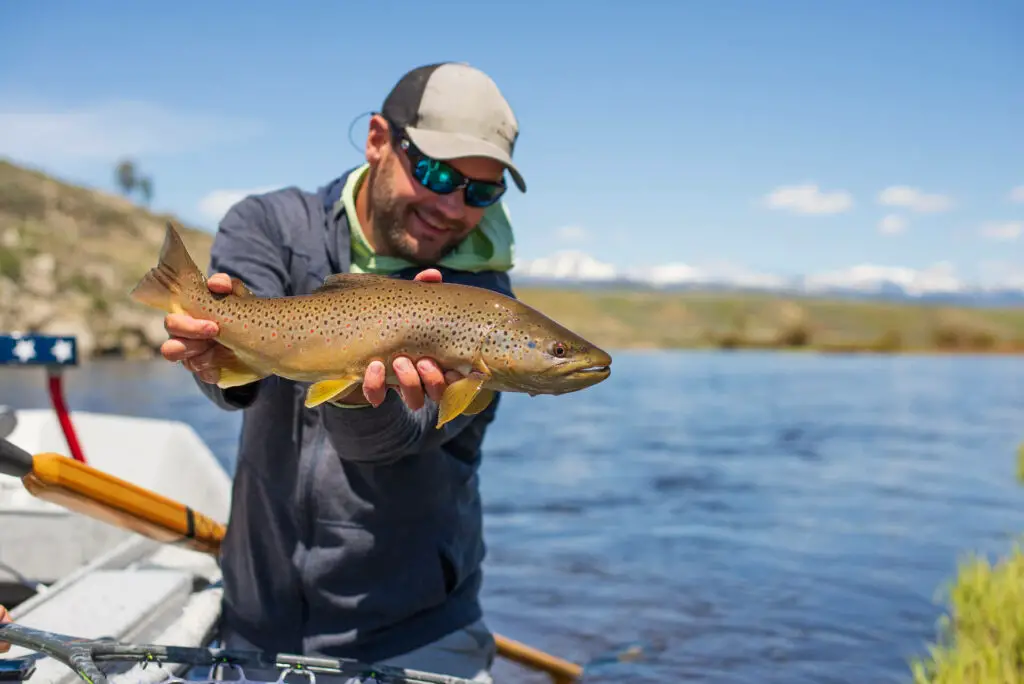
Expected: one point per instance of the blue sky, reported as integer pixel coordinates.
(651, 132)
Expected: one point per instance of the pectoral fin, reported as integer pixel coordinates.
(325, 390)
(464, 396)
(234, 372)
(239, 289)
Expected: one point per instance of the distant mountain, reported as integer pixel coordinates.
(869, 282)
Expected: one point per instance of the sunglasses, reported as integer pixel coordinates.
(441, 178)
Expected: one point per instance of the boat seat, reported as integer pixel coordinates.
(126, 605)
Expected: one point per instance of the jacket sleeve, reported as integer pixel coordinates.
(248, 247)
(392, 430)
(389, 432)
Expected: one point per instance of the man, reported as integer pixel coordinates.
(355, 528)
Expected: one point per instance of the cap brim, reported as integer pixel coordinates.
(447, 146)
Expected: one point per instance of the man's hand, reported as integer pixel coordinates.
(4, 617)
(192, 339)
(192, 342)
(413, 379)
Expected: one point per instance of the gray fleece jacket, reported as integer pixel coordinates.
(353, 532)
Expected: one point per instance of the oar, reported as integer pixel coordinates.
(99, 495)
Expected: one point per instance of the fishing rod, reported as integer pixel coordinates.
(84, 657)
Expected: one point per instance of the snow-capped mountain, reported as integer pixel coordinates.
(939, 282)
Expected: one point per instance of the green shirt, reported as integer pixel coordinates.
(490, 246)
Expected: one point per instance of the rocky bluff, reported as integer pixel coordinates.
(69, 256)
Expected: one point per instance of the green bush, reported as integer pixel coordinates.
(981, 639)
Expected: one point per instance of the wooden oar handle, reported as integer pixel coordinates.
(561, 671)
(99, 495)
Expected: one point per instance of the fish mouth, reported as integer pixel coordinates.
(563, 378)
(587, 374)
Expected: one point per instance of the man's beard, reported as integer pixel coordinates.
(389, 217)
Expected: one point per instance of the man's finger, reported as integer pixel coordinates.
(452, 376)
(433, 378)
(374, 388)
(4, 617)
(209, 376)
(219, 283)
(180, 348)
(409, 383)
(202, 362)
(183, 325)
(431, 275)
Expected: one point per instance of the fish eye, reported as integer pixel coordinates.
(558, 349)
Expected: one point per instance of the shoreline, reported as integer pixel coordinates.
(137, 357)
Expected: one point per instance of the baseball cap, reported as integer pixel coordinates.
(451, 110)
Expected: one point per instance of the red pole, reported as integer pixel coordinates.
(57, 399)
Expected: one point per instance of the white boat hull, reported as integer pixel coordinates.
(104, 581)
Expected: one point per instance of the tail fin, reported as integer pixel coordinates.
(162, 286)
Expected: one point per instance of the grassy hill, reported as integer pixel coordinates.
(651, 319)
(69, 256)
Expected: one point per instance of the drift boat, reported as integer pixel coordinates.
(64, 572)
(81, 568)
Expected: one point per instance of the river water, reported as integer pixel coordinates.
(750, 517)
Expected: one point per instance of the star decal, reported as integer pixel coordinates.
(25, 350)
(61, 350)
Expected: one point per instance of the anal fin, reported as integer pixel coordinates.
(325, 390)
(463, 395)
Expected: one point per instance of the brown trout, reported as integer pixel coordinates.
(330, 336)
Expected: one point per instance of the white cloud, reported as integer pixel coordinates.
(45, 135)
(571, 234)
(1004, 231)
(215, 204)
(1017, 194)
(892, 224)
(914, 199)
(809, 199)
(940, 277)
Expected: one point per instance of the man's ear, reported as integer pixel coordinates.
(378, 139)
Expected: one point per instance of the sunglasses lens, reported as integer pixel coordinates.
(483, 194)
(436, 176)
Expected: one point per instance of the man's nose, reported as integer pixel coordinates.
(452, 205)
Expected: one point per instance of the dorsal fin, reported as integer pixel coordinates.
(349, 281)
